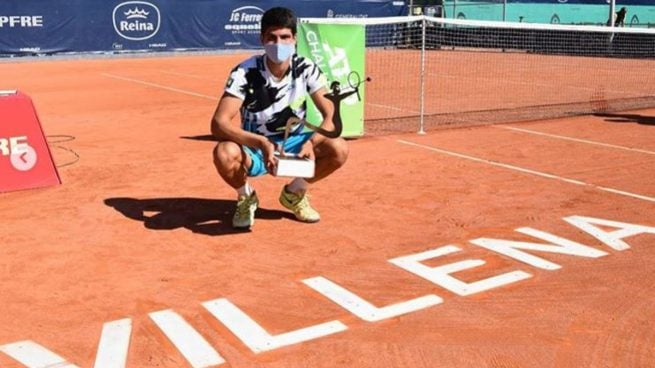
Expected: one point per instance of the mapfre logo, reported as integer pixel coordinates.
(21, 21)
(136, 20)
(245, 20)
(22, 156)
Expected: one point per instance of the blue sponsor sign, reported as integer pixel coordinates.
(34, 28)
(54, 26)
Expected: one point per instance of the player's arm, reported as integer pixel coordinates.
(225, 127)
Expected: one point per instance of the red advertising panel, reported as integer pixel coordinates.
(25, 159)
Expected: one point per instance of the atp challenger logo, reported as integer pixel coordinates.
(136, 20)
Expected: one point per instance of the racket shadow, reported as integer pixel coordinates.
(203, 216)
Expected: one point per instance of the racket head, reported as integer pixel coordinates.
(354, 79)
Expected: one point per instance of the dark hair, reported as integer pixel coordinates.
(279, 17)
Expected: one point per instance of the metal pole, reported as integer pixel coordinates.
(421, 129)
(454, 9)
(612, 12)
(411, 7)
(504, 10)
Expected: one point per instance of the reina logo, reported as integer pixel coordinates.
(136, 20)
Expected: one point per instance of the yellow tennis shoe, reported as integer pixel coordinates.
(244, 216)
(299, 205)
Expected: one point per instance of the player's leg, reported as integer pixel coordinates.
(233, 164)
(331, 154)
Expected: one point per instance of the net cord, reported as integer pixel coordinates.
(478, 23)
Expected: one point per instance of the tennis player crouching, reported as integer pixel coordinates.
(267, 90)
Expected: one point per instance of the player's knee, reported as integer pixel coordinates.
(227, 154)
(340, 152)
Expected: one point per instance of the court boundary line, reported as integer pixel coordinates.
(528, 171)
(578, 140)
(183, 74)
(383, 106)
(178, 90)
(161, 86)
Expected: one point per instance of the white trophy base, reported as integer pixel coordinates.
(292, 166)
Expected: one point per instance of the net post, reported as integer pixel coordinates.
(504, 10)
(612, 6)
(421, 129)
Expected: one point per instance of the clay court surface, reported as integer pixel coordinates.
(139, 233)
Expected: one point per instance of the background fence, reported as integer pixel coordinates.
(641, 13)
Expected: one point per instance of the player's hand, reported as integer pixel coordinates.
(268, 151)
(307, 150)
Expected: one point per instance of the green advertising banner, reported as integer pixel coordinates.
(338, 49)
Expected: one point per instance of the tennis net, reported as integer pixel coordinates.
(432, 72)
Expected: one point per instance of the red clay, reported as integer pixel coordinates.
(141, 224)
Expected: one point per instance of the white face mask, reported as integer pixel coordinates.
(279, 52)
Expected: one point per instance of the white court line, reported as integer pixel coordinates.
(173, 89)
(573, 139)
(114, 344)
(528, 171)
(391, 108)
(183, 74)
(186, 339)
(33, 355)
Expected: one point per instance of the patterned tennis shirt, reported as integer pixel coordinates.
(267, 102)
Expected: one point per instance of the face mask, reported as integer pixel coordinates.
(279, 52)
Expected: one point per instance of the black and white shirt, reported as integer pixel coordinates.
(267, 102)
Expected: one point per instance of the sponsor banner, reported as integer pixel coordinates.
(55, 26)
(359, 9)
(242, 28)
(136, 20)
(339, 51)
(36, 27)
(241, 24)
(126, 26)
(25, 160)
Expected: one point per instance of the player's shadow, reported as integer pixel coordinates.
(202, 216)
(627, 118)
